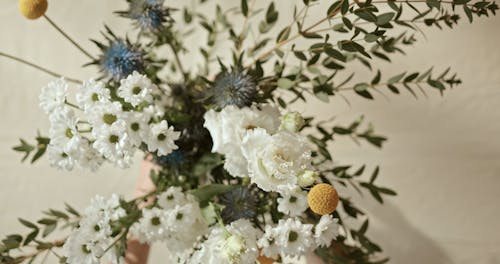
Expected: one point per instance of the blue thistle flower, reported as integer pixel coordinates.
(173, 160)
(232, 88)
(149, 15)
(239, 203)
(119, 58)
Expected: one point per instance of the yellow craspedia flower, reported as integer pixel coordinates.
(33, 9)
(323, 199)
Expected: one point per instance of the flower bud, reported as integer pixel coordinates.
(292, 121)
(307, 178)
(233, 246)
(33, 9)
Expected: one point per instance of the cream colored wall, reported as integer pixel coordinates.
(442, 157)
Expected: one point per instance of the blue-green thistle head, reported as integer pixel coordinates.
(148, 15)
(172, 160)
(232, 88)
(239, 203)
(119, 58)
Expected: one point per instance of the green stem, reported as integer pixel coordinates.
(72, 105)
(68, 37)
(178, 61)
(47, 71)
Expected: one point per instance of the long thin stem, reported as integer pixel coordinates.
(241, 37)
(47, 71)
(178, 61)
(68, 37)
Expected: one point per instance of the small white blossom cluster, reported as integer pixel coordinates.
(111, 129)
(261, 144)
(177, 220)
(234, 243)
(292, 238)
(92, 240)
(257, 143)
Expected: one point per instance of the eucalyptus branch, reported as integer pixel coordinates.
(178, 61)
(241, 36)
(47, 247)
(45, 70)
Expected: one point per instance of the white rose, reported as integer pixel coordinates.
(229, 126)
(275, 161)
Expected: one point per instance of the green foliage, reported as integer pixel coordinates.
(305, 58)
(38, 149)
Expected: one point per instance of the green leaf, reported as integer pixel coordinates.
(371, 37)
(49, 229)
(205, 193)
(361, 89)
(71, 210)
(27, 223)
(374, 175)
(345, 7)
(365, 15)
(334, 53)
(285, 83)
(207, 163)
(384, 18)
(284, 34)
(47, 221)
(271, 14)
(30, 237)
(468, 12)
(436, 84)
(342, 130)
(376, 79)
(244, 7)
(333, 8)
(396, 78)
(300, 55)
(434, 3)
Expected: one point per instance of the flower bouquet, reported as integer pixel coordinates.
(239, 176)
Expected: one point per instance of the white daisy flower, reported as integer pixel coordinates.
(153, 226)
(89, 157)
(92, 93)
(229, 126)
(291, 238)
(267, 243)
(104, 114)
(326, 230)
(275, 161)
(89, 242)
(186, 226)
(162, 138)
(63, 127)
(136, 88)
(173, 196)
(137, 127)
(113, 143)
(53, 95)
(234, 243)
(77, 249)
(58, 158)
(293, 202)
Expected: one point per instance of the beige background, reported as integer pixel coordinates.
(443, 156)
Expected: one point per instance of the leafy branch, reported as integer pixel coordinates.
(38, 149)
